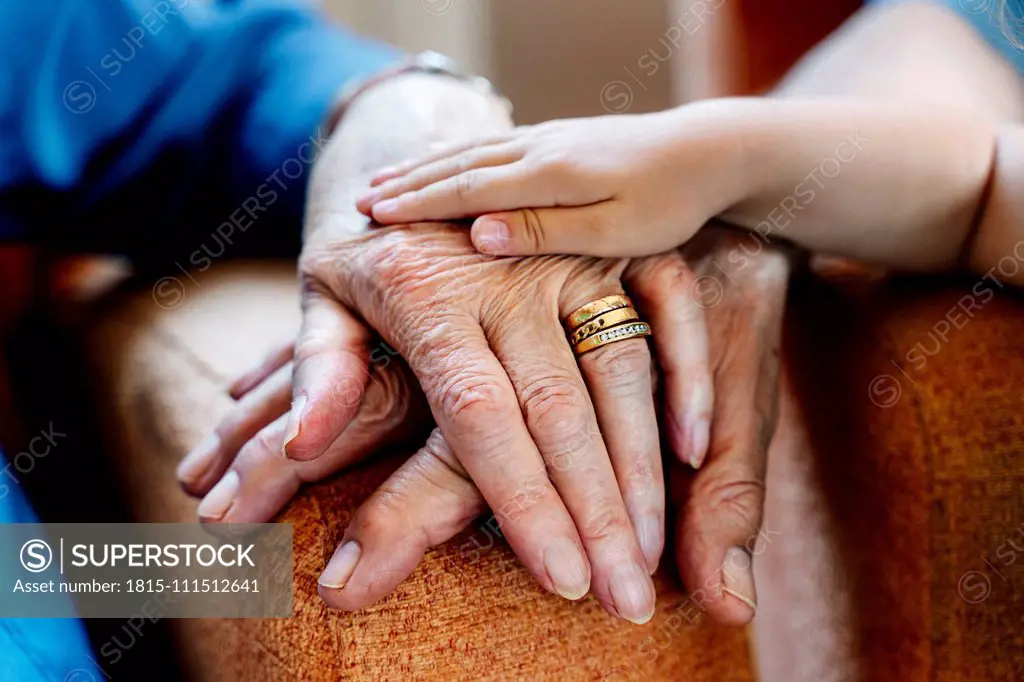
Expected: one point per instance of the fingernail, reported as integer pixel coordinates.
(384, 206)
(633, 593)
(491, 235)
(648, 534)
(738, 576)
(698, 425)
(198, 461)
(383, 174)
(219, 500)
(700, 434)
(368, 199)
(567, 570)
(294, 422)
(341, 566)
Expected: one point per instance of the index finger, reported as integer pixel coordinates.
(470, 193)
(475, 406)
(443, 152)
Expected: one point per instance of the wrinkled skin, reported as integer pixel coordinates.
(484, 340)
(723, 308)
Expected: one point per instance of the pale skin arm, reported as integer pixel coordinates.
(889, 185)
(898, 183)
(913, 52)
(921, 53)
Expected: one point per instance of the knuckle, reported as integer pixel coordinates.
(437, 449)
(533, 229)
(267, 440)
(464, 163)
(607, 521)
(671, 274)
(389, 262)
(469, 399)
(738, 498)
(473, 402)
(330, 269)
(623, 367)
(643, 475)
(450, 488)
(553, 404)
(772, 270)
(311, 264)
(393, 264)
(419, 331)
(559, 166)
(381, 516)
(433, 342)
(390, 514)
(466, 184)
(234, 423)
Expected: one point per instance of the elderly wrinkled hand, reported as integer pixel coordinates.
(432, 497)
(565, 450)
(566, 454)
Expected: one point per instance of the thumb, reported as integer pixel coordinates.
(717, 538)
(330, 375)
(595, 230)
(719, 529)
(427, 501)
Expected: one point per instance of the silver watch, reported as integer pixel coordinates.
(425, 62)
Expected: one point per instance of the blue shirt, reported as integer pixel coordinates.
(124, 123)
(996, 30)
(127, 125)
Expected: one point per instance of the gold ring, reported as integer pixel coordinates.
(622, 332)
(591, 310)
(604, 321)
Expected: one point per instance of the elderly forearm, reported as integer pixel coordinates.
(398, 119)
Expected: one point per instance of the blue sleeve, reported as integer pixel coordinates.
(984, 16)
(125, 121)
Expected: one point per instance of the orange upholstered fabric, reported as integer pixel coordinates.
(160, 375)
(883, 493)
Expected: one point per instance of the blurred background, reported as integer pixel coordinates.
(558, 58)
(552, 58)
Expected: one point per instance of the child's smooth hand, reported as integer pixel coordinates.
(609, 186)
